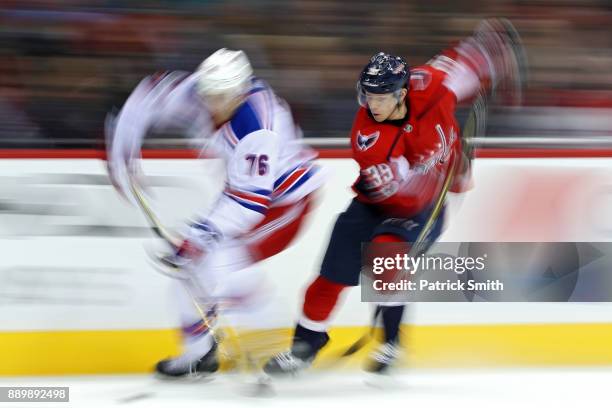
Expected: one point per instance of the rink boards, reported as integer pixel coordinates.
(77, 294)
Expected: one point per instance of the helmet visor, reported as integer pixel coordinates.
(367, 99)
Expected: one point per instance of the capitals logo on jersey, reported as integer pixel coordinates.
(364, 142)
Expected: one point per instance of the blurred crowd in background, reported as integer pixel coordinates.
(66, 63)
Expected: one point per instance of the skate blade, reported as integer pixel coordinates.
(185, 379)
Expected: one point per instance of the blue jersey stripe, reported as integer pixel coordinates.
(254, 207)
(301, 180)
(285, 175)
(260, 192)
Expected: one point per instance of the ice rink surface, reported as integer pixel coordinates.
(543, 388)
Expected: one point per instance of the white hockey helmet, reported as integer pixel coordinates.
(225, 72)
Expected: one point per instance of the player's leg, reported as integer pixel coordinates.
(394, 231)
(199, 355)
(385, 243)
(227, 274)
(228, 282)
(197, 298)
(390, 350)
(340, 269)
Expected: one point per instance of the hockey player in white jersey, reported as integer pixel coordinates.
(270, 181)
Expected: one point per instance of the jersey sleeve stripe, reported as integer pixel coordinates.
(285, 175)
(260, 104)
(305, 177)
(206, 226)
(267, 106)
(261, 192)
(293, 179)
(157, 77)
(249, 197)
(249, 204)
(258, 192)
(261, 95)
(163, 84)
(289, 179)
(229, 136)
(256, 90)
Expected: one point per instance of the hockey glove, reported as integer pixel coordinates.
(381, 181)
(200, 240)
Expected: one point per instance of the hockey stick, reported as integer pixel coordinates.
(156, 226)
(475, 125)
(364, 339)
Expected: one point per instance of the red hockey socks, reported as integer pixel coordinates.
(319, 301)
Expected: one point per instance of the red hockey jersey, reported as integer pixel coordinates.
(428, 138)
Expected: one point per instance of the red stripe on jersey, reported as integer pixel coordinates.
(256, 198)
(294, 177)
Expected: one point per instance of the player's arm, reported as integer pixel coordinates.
(379, 182)
(151, 104)
(247, 195)
(492, 58)
(395, 181)
(457, 76)
(393, 184)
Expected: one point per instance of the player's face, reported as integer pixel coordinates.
(381, 105)
(221, 106)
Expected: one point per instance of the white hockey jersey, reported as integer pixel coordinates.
(267, 165)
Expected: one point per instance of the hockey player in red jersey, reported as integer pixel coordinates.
(405, 139)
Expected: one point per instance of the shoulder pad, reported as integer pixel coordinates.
(245, 121)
